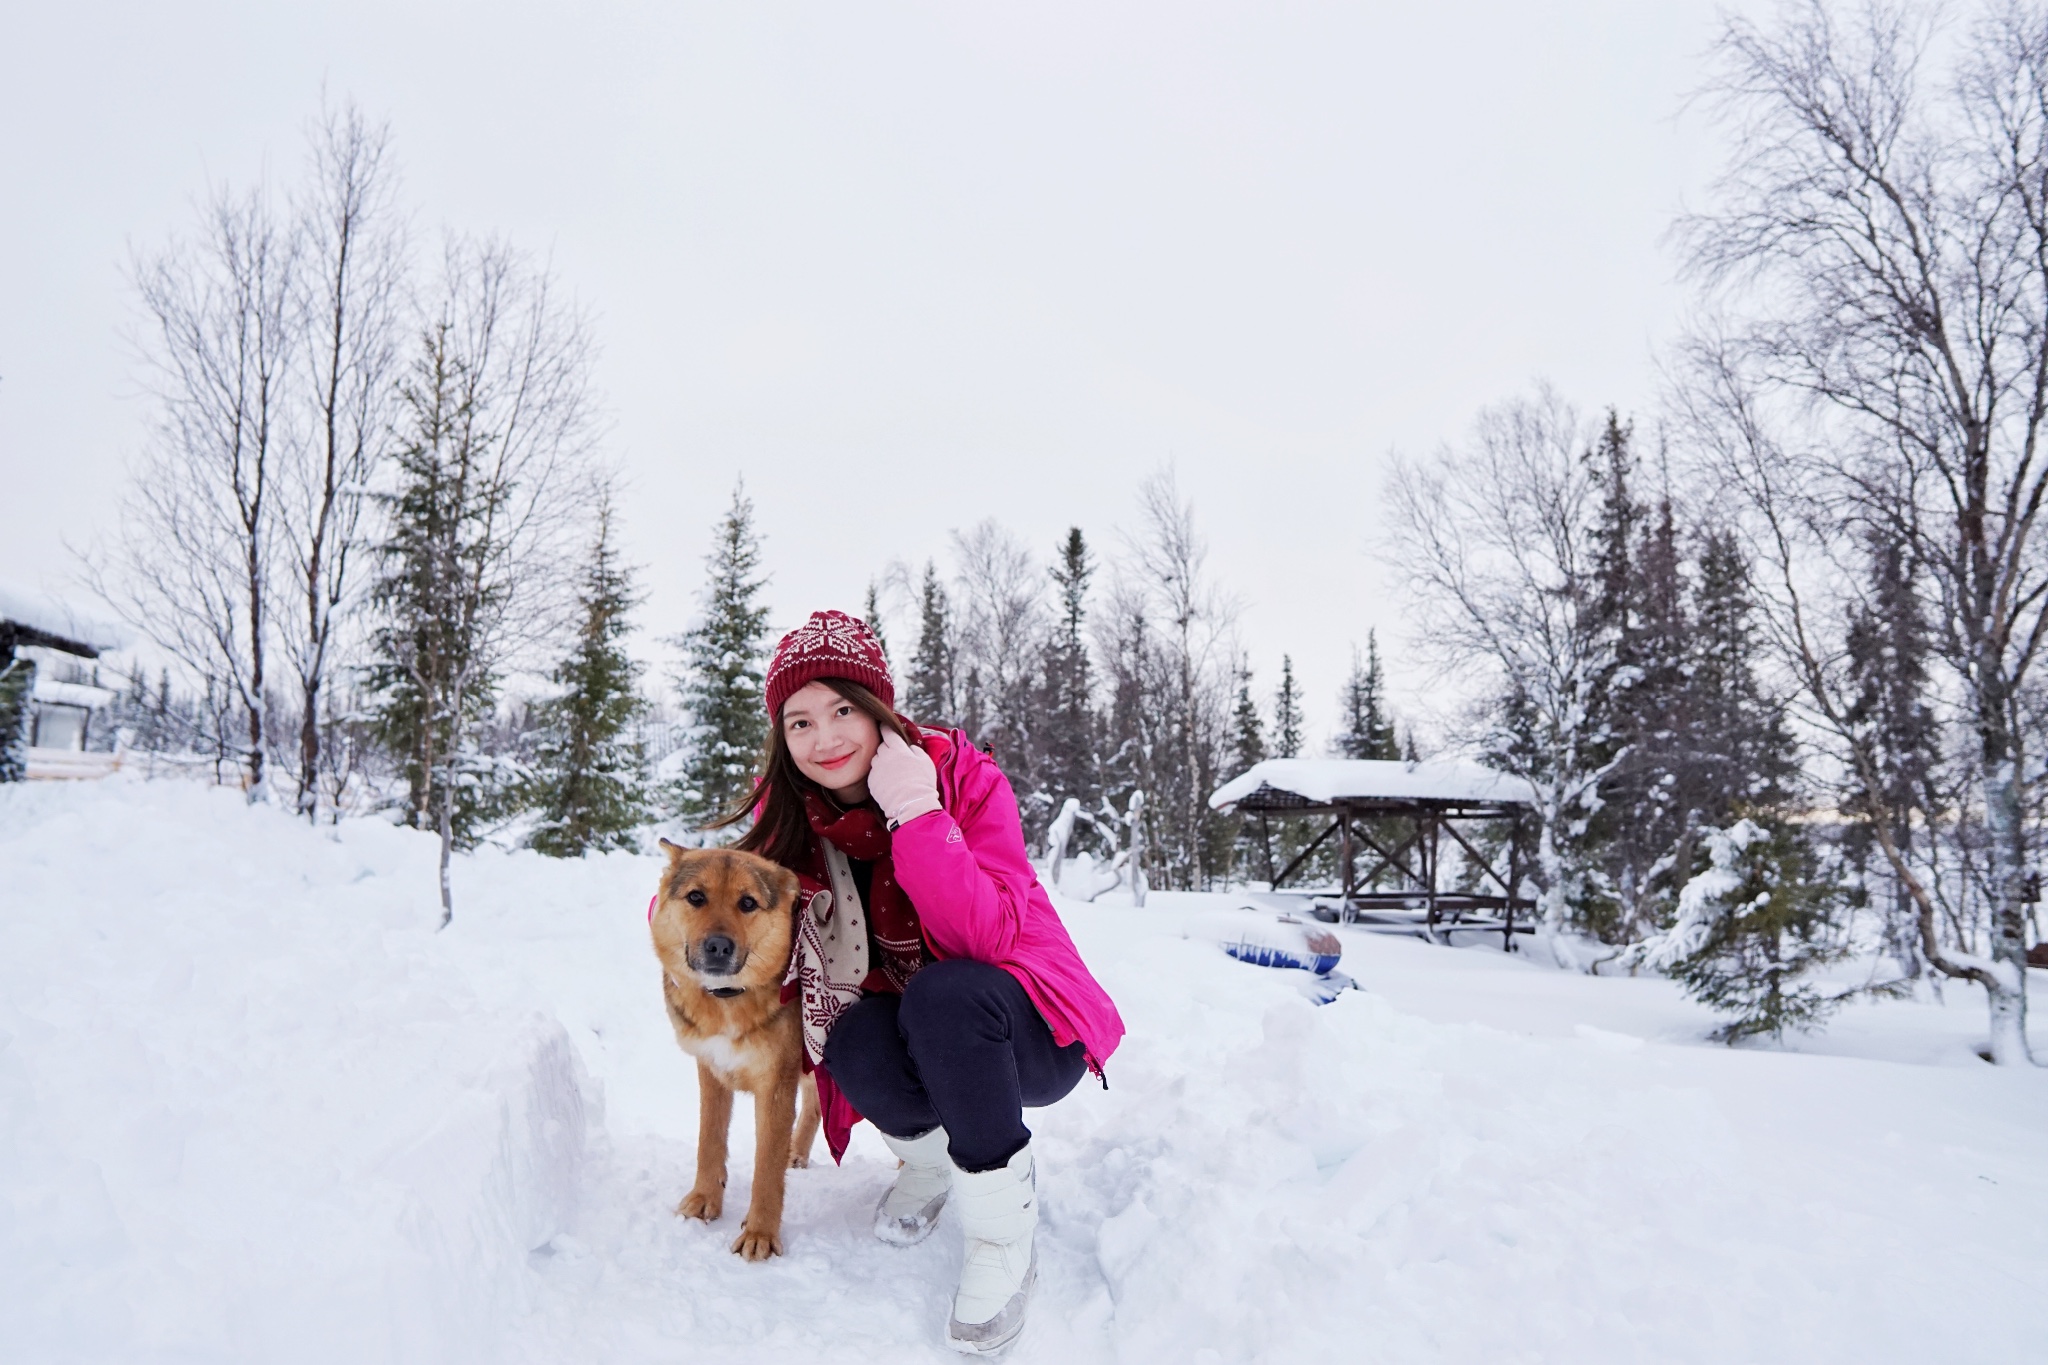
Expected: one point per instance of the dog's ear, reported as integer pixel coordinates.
(675, 851)
(785, 886)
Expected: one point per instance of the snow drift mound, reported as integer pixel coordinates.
(249, 1109)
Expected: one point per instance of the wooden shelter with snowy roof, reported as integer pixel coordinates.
(49, 687)
(1408, 817)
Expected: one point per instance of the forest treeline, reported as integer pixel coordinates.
(1764, 650)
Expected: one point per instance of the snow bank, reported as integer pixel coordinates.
(249, 1109)
(252, 1109)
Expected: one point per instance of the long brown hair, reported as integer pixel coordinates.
(782, 831)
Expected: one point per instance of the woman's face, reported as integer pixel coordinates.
(832, 740)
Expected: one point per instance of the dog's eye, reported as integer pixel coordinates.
(749, 905)
(696, 898)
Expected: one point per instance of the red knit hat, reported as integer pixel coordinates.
(829, 645)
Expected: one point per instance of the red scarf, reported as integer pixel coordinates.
(860, 834)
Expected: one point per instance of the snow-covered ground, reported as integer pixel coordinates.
(253, 1109)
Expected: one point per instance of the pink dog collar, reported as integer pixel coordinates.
(652, 901)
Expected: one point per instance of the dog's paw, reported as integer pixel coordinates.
(799, 1161)
(705, 1204)
(757, 1245)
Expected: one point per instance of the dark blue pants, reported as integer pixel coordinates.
(963, 1046)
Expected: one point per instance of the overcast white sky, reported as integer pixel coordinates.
(908, 265)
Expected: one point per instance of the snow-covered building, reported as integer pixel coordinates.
(50, 692)
(1402, 813)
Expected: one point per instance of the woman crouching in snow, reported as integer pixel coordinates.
(940, 992)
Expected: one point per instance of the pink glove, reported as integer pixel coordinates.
(903, 781)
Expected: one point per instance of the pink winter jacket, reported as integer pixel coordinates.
(978, 897)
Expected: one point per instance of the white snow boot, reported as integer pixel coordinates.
(999, 1213)
(911, 1207)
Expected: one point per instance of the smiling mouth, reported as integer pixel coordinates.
(838, 762)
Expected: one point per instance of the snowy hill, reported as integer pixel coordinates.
(253, 1109)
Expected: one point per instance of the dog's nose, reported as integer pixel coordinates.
(716, 953)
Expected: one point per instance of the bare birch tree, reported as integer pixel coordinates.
(999, 594)
(1879, 255)
(347, 307)
(1169, 647)
(1497, 545)
(193, 564)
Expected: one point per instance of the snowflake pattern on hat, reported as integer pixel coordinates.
(829, 645)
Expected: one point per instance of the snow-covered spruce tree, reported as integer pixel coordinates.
(588, 787)
(724, 663)
(17, 681)
(1766, 913)
(430, 686)
(1289, 837)
(1067, 727)
(931, 696)
(871, 613)
(494, 413)
(1745, 760)
(1247, 727)
(1633, 842)
(1366, 730)
(1750, 925)
(1247, 747)
(1287, 719)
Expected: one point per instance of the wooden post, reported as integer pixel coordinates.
(1429, 857)
(1345, 857)
(1507, 932)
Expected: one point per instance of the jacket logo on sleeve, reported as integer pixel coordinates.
(953, 835)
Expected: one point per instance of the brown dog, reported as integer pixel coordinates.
(724, 927)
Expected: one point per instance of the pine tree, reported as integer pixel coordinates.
(588, 786)
(972, 719)
(1068, 730)
(1617, 524)
(1247, 729)
(1889, 648)
(1367, 729)
(1287, 720)
(1279, 842)
(724, 670)
(1753, 910)
(432, 680)
(1755, 921)
(931, 696)
(1615, 849)
(1247, 747)
(1652, 800)
(871, 613)
(1744, 753)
